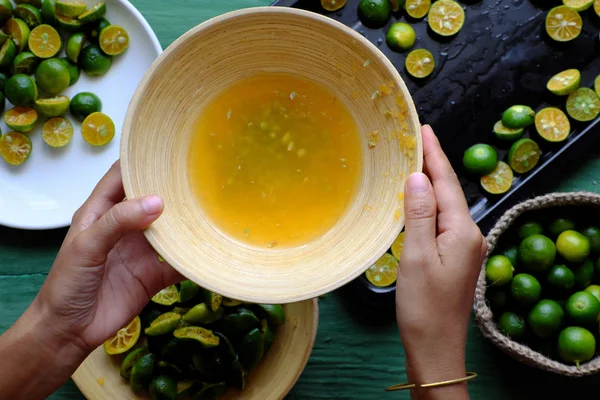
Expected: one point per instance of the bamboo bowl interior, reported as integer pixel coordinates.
(159, 126)
(98, 377)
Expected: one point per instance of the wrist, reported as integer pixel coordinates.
(439, 362)
(445, 351)
(34, 341)
(423, 371)
(441, 371)
(53, 333)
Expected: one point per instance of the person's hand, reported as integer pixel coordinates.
(106, 271)
(104, 274)
(437, 274)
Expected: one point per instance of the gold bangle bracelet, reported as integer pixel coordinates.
(407, 385)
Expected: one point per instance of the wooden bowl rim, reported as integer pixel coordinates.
(411, 118)
(315, 324)
(309, 349)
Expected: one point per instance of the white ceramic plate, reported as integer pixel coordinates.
(45, 191)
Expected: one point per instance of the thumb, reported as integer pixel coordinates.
(129, 216)
(420, 208)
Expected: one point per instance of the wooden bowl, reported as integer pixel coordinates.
(98, 377)
(159, 126)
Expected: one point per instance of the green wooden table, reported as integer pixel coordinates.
(358, 351)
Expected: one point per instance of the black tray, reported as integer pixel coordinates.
(502, 56)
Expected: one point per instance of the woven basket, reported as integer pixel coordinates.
(483, 313)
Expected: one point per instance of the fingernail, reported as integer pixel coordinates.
(417, 183)
(428, 128)
(152, 204)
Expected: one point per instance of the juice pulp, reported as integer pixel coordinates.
(275, 160)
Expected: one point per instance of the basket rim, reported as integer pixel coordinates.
(483, 313)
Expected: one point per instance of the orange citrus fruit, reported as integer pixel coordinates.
(57, 132)
(113, 40)
(384, 272)
(552, 124)
(417, 8)
(579, 5)
(333, 5)
(125, 338)
(420, 63)
(446, 17)
(499, 181)
(398, 246)
(98, 129)
(21, 119)
(563, 23)
(15, 148)
(583, 105)
(564, 82)
(44, 41)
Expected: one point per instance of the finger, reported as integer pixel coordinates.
(106, 194)
(420, 209)
(165, 276)
(170, 275)
(155, 276)
(484, 249)
(448, 192)
(94, 244)
(110, 187)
